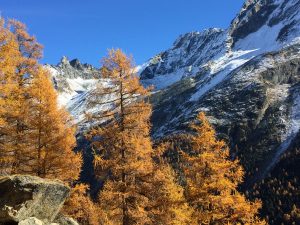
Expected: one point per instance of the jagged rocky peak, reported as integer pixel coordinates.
(253, 15)
(73, 69)
(180, 41)
(246, 79)
(72, 78)
(261, 26)
(281, 17)
(75, 63)
(64, 61)
(191, 49)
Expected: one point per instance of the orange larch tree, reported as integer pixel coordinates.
(169, 205)
(122, 146)
(80, 207)
(212, 180)
(51, 134)
(15, 133)
(36, 137)
(10, 97)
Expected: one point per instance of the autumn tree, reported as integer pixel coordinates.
(295, 215)
(30, 49)
(122, 145)
(13, 107)
(15, 86)
(31, 52)
(36, 137)
(80, 207)
(170, 206)
(51, 134)
(10, 97)
(212, 180)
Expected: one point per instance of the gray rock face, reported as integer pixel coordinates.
(71, 70)
(31, 221)
(192, 49)
(261, 26)
(22, 197)
(259, 12)
(74, 83)
(62, 220)
(255, 108)
(74, 68)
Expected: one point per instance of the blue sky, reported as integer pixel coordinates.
(85, 29)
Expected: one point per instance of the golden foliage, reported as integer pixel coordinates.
(36, 137)
(169, 205)
(80, 207)
(13, 108)
(123, 147)
(123, 150)
(51, 134)
(212, 181)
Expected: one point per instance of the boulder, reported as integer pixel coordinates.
(63, 220)
(23, 196)
(31, 221)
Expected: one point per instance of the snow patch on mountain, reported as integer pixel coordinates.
(262, 41)
(72, 86)
(291, 133)
(163, 81)
(220, 69)
(78, 87)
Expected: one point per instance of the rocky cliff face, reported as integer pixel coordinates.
(255, 108)
(246, 78)
(28, 200)
(261, 26)
(279, 15)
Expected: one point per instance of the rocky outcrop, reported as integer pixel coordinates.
(74, 81)
(32, 221)
(63, 220)
(74, 69)
(28, 199)
(259, 12)
(187, 55)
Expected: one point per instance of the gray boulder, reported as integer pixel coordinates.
(63, 220)
(23, 196)
(31, 221)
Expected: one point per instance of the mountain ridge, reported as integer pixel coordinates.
(244, 77)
